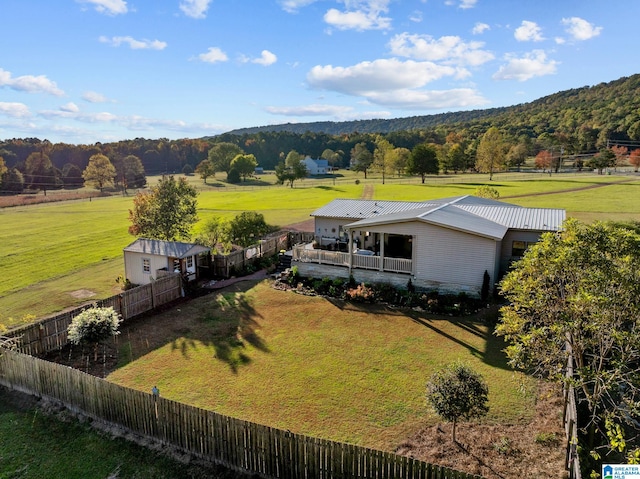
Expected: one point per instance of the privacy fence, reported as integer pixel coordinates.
(233, 443)
(50, 334)
(228, 264)
(571, 425)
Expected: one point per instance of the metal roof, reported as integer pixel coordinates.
(472, 214)
(173, 249)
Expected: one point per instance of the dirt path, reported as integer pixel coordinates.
(569, 190)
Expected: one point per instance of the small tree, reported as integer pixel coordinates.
(92, 326)
(457, 392)
(247, 228)
(99, 172)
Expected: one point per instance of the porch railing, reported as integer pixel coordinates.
(335, 258)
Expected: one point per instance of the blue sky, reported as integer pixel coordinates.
(83, 71)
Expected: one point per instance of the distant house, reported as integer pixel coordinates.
(146, 259)
(444, 244)
(259, 170)
(316, 167)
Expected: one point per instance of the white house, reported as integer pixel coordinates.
(445, 244)
(146, 259)
(316, 167)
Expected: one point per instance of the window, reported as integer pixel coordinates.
(189, 262)
(146, 265)
(519, 247)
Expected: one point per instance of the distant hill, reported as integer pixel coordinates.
(613, 107)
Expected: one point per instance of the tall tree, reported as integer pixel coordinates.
(382, 154)
(361, 158)
(575, 295)
(133, 174)
(166, 212)
(99, 172)
(423, 161)
(293, 158)
(221, 154)
(517, 155)
(245, 165)
(40, 173)
(205, 169)
(247, 228)
(490, 155)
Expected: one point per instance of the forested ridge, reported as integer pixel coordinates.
(578, 121)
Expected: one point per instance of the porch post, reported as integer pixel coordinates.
(350, 248)
(382, 251)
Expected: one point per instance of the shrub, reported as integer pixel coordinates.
(361, 293)
(92, 326)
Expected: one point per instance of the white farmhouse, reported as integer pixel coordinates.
(445, 244)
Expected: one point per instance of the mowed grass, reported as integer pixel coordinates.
(325, 368)
(36, 446)
(50, 251)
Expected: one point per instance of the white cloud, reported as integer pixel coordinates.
(14, 109)
(379, 75)
(528, 32)
(429, 99)
(416, 16)
(448, 49)
(463, 4)
(110, 7)
(213, 55)
(29, 83)
(94, 97)
(533, 64)
(479, 28)
(70, 107)
(266, 58)
(311, 110)
(195, 8)
(580, 29)
(360, 15)
(292, 6)
(134, 44)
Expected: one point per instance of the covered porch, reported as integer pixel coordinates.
(383, 252)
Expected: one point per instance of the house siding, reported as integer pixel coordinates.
(133, 267)
(515, 235)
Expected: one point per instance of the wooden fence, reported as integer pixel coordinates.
(233, 443)
(570, 419)
(50, 334)
(224, 266)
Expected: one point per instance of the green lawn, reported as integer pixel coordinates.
(36, 446)
(315, 366)
(53, 250)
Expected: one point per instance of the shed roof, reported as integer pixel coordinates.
(172, 249)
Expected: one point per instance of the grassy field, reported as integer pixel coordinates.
(54, 253)
(315, 366)
(36, 446)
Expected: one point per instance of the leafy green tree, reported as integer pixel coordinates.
(166, 212)
(3, 167)
(205, 169)
(92, 326)
(12, 182)
(293, 158)
(247, 228)
(490, 155)
(382, 157)
(133, 173)
(458, 392)
(423, 161)
(99, 172)
(517, 155)
(361, 158)
(605, 158)
(245, 165)
(486, 191)
(333, 157)
(221, 154)
(72, 176)
(215, 234)
(40, 172)
(574, 295)
(233, 176)
(400, 160)
(289, 174)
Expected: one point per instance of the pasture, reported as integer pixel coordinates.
(62, 254)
